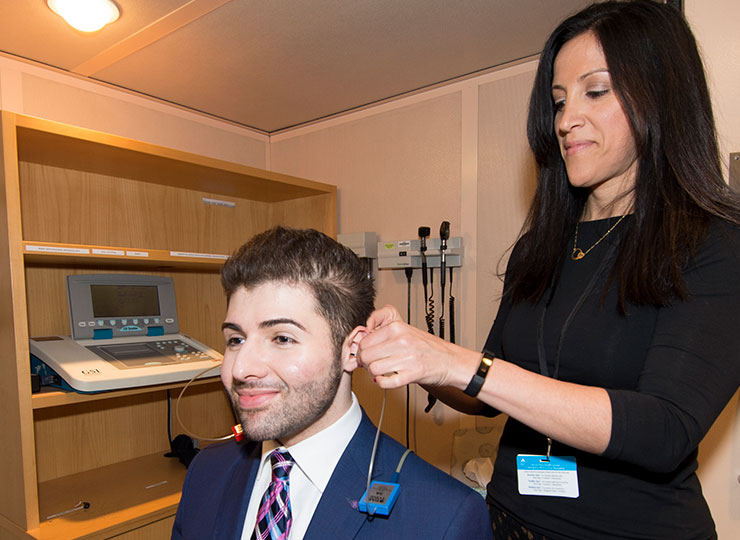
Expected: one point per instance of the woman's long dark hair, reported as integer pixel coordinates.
(658, 77)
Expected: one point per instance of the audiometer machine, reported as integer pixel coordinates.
(124, 334)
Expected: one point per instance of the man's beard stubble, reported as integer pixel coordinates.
(296, 408)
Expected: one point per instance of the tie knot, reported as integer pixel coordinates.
(282, 462)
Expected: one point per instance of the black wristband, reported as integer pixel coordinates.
(479, 378)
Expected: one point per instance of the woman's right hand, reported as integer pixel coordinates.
(397, 354)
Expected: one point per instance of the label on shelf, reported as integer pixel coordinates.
(117, 252)
(137, 254)
(58, 249)
(198, 255)
(219, 202)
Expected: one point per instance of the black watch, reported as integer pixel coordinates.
(479, 378)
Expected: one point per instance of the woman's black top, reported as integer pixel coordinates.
(668, 371)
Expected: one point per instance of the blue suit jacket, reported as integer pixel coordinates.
(430, 505)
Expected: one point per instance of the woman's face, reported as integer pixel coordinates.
(593, 131)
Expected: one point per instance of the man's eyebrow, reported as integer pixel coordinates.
(231, 326)
(283, 320)
(264, 324)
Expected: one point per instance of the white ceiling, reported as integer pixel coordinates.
(274, 64)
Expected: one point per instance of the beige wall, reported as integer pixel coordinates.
(27, 89)
(456, 153)
(715, 24)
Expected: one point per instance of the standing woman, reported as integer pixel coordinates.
(616, 344)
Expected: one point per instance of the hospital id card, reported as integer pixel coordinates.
(553, 477)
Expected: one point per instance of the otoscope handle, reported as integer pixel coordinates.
(424, 232)
(444, 235)
(444, 232)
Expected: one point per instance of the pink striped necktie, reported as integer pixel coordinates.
(274, 517)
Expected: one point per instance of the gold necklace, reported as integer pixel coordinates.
(578, 253)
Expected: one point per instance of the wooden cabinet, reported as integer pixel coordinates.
(79, 201)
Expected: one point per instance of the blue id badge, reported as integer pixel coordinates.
(553, 477)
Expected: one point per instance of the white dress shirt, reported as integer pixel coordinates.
(315, 460)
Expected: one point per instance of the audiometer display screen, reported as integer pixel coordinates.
(124, 300)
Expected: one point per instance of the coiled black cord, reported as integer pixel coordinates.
(430, 304)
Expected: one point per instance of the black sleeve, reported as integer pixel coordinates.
(692, 366)
(494, 339)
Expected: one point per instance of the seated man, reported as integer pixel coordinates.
(294, 296)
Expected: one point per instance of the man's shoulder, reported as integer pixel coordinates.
(431, 503)
(419, 474)
(222, 456)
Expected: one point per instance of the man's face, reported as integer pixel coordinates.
(279, 367)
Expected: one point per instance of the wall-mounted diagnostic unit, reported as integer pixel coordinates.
(407, 253)
(124, 334)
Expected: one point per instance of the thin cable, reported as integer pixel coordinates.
(444, 234)
(375, 444)
(409, 273)
(177, 409)
(169, 417)
(452, 311)
(396, 474)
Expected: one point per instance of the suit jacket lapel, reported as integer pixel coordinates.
(337, 515)
(236, 493)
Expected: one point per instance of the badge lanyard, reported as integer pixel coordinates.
(541, 354)
(555, 476)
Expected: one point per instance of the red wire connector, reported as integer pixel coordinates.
(238, 432)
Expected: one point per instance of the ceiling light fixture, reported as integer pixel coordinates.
(85, 15)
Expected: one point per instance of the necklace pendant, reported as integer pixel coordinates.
(577, 254)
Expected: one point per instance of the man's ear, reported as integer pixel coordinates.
(349, 349)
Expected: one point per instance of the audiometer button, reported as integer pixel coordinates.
(124, 322)
(101, 322)
(156, 320)
(169, 320)
(82, 324)
(180, 348)
(146, 321)
(134, 321)
(112, 322)
(91, 323)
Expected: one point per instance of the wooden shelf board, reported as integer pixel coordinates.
(122, 497)
(60, 145)
(51, 397)
(83, 254)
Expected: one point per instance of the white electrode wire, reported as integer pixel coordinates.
(403, 458)
(375, 444)
(177, 409)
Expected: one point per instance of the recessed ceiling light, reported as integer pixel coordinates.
(85, 15)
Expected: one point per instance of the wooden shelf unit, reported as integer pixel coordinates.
(75, 201)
